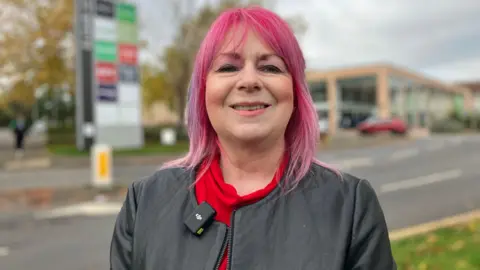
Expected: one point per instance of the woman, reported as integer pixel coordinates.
(253, 131)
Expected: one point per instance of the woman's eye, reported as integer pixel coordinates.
(227, 68)
(270, 68)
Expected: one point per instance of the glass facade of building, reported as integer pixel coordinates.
(357, 99)
(318, 90)
(418, 103)
(417, 100)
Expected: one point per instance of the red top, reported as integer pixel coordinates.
(224, 198)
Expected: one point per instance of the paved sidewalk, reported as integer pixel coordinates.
(69, 177)
(41, 159)
(75, 172)
(356, 142)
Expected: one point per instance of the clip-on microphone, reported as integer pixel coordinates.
(200, 219)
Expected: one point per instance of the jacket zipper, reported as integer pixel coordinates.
(222, 250)
(227, 243)
(230, 240)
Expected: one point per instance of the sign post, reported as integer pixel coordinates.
(108, 93)
(101, 158)
(84, 72)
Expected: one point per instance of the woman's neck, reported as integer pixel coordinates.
(250, 169)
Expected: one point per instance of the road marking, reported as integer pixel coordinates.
(402, 154)
(4, 251)
(434, 225)
(83, 209)
(33, 163)
(421, 181)
(353, 163)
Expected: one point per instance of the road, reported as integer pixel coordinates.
(416, 182)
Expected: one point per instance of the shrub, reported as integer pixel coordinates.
(472, 121)
(5, 117)
(447, 126)
(61, 136)
(152, 134)
(66, 135)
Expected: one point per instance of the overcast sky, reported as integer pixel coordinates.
(440, 38)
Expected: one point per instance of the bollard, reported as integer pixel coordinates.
(101, 157)
(168, 136)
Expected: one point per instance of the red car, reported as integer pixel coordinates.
(377, 125)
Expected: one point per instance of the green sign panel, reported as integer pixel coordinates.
(410, 100)
(458, 103)
(127, 33)
(105, 51)
(126, 13)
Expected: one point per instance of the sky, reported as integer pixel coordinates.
(438, 38)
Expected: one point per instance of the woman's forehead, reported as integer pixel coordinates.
(238, 43)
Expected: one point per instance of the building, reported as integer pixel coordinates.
(350, 95)
(475, 88)
(158, 114)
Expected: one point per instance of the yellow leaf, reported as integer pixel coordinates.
(462, 264)
(422, 266)
(432, 238)
(472, 226)
(457, 245)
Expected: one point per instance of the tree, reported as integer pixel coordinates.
(37, 46)
(178, 58)
(154, 86)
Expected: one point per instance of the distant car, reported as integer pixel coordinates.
(377, 125)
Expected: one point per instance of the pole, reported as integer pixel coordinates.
(84, 78)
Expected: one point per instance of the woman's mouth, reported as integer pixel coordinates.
(250, 107)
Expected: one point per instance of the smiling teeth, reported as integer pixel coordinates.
(250, 108)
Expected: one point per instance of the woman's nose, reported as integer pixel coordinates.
(249, 79)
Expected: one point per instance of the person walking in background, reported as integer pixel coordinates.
(19, 128)
(250, 193)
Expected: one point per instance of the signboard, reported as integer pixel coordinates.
(127, 54)
(128, 74)
(127, 13)
(105, 30)
(105, 9)
(127, 33)
(106, 73)
(105, 51)
(110, 95)
(107, 92)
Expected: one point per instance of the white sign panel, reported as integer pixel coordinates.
(105, 29)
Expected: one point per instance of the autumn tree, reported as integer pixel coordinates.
(154, 86)
(178, 58)
(37, 46)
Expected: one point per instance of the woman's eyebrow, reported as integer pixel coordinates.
(261, 57)
(266, 56)
(231, 55)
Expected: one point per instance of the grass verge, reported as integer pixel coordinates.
(150, 149)
(456, 247)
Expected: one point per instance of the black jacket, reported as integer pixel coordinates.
(327, 223)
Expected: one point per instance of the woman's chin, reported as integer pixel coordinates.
(250, 135)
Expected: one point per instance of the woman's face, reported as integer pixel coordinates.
(249, 92)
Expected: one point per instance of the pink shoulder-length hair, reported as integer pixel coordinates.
(302, 131)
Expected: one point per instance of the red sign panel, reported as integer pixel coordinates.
(127, 54)
(106, 73)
